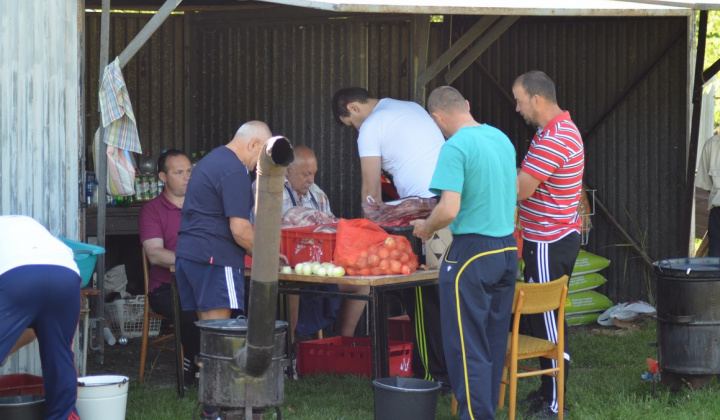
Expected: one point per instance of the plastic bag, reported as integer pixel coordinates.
(627, 311)
(363, 248)
(120, 169)
(398, 213)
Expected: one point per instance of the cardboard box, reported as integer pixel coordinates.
(436, 246)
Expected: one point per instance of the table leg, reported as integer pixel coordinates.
(378, 334)
(178, 342)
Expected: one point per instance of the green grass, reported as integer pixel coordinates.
(604, 384)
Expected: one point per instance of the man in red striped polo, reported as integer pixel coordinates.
(549, 186)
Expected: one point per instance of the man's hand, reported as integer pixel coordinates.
(421, 229)
(284, 260)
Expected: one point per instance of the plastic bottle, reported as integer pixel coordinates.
(109, 337)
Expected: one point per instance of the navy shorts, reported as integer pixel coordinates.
(204, 287)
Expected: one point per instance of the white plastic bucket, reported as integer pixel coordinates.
(102, 397)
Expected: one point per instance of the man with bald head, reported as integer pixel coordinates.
(308, 314)
(215, 230)
(475, 178)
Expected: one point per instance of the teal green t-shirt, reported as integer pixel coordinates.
(479, 163)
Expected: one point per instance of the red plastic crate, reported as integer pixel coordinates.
(400, 328)
(21, 384)
(302, 244)
(350, 355)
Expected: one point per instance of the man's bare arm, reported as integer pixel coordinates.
(371, 169)
(243, 233)
(527, 184)
(157, 254)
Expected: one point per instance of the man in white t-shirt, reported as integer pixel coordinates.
(40, 295)
(396, 136)
(401, 138)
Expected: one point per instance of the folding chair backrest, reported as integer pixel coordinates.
(539, 297)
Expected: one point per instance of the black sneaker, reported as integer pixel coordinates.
(533, 399)
(542, 411)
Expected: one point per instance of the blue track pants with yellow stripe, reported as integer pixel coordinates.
(477, 286)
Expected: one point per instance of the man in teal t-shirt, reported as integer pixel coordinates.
(476, 179)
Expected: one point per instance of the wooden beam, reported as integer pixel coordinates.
(687, 203)
(503, 25)
(422, 40)
(147, 31)
(711, 71)
(101, 177)
(459, 46)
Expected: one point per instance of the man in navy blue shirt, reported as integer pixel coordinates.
(215, 230)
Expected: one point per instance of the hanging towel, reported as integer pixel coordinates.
(121, 133)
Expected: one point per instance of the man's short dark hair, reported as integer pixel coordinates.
(536, 82)
(343, 97)
(446, 99)
(162, 160)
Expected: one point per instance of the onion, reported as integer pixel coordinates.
(338, 272)
(300, 268)
(307, 269)
(286, 269)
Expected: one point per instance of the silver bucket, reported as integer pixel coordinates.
(222, 383)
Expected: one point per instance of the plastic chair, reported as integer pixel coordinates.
(535, 298)
(147, 314)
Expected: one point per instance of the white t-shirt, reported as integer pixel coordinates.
(24, 241)
(404, 135)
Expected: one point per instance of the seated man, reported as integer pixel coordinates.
(309, 314)
(158, 224)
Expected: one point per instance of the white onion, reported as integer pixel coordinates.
(307, 269)
(299, 268)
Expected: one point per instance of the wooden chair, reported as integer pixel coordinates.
(535, 298)
(147, 315)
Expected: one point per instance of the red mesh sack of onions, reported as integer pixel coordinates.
(364, 249)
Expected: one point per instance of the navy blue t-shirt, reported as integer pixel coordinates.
(219, 188)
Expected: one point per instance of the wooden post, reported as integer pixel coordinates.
(694, 133)
(101, 177)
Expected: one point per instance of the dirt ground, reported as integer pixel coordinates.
(125, 360)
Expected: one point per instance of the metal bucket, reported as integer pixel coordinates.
(688, 315)
(222, 383)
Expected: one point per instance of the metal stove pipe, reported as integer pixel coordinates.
(255, 356)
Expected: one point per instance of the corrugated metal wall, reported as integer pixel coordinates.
(40, 133)
(623, 80)
(635, 70)
(285, 72)
(155, 78)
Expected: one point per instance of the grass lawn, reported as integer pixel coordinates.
(604, 383)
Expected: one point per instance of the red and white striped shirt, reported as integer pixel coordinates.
(556, 157)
